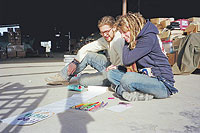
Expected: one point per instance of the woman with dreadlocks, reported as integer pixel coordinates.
(152, 77)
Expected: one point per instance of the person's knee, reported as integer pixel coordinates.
(90, 54)
(161, 94)
(110, 75)
(98, 78)
(83, 79)
(128, 78)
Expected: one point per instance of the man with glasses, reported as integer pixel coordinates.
(111, 41)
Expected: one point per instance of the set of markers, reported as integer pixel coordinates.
(90, 106)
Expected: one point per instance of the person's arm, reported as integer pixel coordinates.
(143, 47)
(94, 46)
(117, 47)
(115, 50)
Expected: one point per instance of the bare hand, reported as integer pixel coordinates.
(132, 68)
(111, 67)
(71, 68)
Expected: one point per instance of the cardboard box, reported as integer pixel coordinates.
(176, 32)
(21, 53)
(176, 42)
(11, 54)
(159, 26)
(198, 27)
(12, 41)
(192, 28)
(194, 19)
(18, 42)
(165, 23)
(157, 20)
(19, 47)
(165, 34)
(3, 55)
(171, 19)
(173, 37)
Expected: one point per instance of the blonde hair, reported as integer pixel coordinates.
(133, 22)
(106, 20)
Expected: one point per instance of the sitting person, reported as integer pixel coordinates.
(151, 76)
(111, 41)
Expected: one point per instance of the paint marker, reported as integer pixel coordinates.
(105, 105)
(99, 107)
(95, 106)
(92, 107)
(87, 109)
(84, 107)
(76, 106)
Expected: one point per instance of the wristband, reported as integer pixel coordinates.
(75, 62)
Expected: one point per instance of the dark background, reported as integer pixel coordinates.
(80, 17)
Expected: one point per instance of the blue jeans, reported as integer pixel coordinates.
(96, 61)
(132, 81)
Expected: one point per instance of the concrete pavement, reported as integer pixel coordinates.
(22, 88)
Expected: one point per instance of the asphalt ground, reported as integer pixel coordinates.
(22, 88)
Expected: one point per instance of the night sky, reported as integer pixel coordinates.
(80, 17)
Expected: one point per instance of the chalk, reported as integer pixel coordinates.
(111, 98)
(126, 104)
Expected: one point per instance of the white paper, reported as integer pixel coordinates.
(119, 108)
(30, 117)
(41, 113)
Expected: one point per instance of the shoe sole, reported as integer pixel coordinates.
(135, 96)
(130, 96)
(111, 89)
(58, 83)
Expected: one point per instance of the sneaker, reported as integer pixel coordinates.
(56, 80)
(116, 95)
(112, 87)
(137, 96)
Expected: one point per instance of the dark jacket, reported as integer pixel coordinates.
(148, 54)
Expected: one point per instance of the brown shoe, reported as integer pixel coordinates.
(56, 80)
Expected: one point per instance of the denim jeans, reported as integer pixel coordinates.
(132, 81)
(96, 61)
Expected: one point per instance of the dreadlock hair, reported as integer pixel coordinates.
(106, 20)
(133, 22)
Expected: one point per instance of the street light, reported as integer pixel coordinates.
(69, 41)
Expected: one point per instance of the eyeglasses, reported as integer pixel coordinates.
(105, 32)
